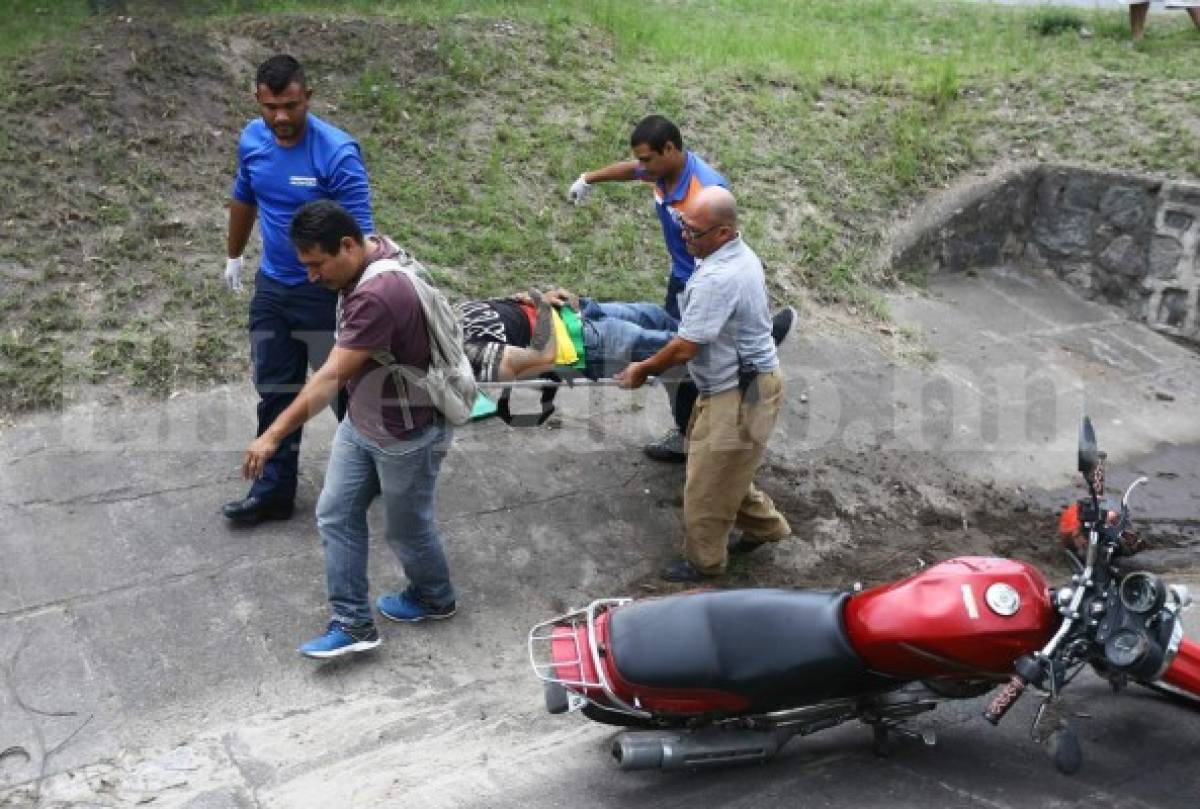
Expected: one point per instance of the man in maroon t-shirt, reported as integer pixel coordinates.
(384, 445)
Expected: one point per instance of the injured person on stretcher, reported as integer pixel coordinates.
(531, 333)
(535, 334)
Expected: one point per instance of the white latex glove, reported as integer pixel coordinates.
(233, 274)
(579, 191)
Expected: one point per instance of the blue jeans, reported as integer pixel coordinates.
(616, 334)
(675, 287)
(682, 394)
(405, 473)
(291, 330)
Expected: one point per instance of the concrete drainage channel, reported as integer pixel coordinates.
(1128, 243)
(1126, 240)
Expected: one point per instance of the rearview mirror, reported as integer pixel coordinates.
(1089, 453)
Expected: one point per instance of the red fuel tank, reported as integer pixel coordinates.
(972, 615)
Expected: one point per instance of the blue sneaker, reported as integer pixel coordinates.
(410, 609)
(340, 639)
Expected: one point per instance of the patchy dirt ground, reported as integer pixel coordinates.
(870, 518)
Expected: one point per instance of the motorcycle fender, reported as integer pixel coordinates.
(1184, 671)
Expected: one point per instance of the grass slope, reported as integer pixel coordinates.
(117, 134)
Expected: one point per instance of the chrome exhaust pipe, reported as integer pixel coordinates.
(707, 748)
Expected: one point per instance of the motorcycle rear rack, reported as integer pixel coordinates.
(541, 637)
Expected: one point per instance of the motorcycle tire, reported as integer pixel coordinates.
(556, 698)
(1063, 747)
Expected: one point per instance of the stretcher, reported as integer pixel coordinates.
(548, 383)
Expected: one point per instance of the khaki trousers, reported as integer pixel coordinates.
(726, 443)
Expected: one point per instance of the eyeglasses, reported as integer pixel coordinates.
(692, 233)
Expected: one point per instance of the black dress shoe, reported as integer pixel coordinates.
(254, 509)
(781, 324)
(744, 546)
(682, 570)
(671, 448)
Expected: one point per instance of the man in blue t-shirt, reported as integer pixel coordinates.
(677, 176)
(285, 159)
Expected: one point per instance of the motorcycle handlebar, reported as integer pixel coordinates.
(1007, 697)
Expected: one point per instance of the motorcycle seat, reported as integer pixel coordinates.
(771, 647)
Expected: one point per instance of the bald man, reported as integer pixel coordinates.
(725, 339)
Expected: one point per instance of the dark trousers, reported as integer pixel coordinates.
(291, 330)
(683, 394)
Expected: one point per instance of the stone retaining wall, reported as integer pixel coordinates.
(1132, 241)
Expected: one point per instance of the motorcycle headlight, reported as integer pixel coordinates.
(1126, 649)
(1143, 593)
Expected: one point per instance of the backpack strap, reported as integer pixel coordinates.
(384, 356)
(374, 269)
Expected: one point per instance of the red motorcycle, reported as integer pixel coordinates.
(718, 677)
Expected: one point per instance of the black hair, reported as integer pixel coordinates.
(323, 223)
(656, 132)
(278, 72)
